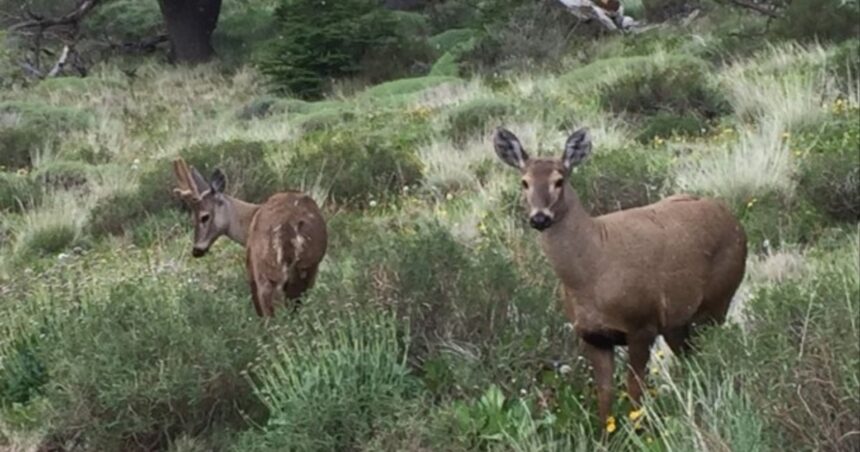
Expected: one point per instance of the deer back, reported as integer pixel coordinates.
(288, 232)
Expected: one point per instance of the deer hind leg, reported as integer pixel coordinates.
(603, 364)
(255, 296)
(303, 280)
(638, 351)
(678, 339)
(265, 293)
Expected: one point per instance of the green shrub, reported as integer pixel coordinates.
(660, 10)
(61, 174)
(47, 118)
(819, 20)
(329, 384)
(242, 34)
(449, 39)
(140, 358)
(17, 191)
(665, 125)
(318, 41)
(679, 85)
(322, 120)
(808, 326)
(519, 35)
(18, 145)
(249, 177)
(473, 117)
(829, 176)
(406, 86)
(845, 63)
(358, 162)
(115, 214)
(620, 179)
(127, 20)
(772, 220)
(48, 238)
(22, 373)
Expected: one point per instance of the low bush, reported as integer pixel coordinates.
(808, 326)
(320, 41)
(358, 162)
(61, 174)
(18, 145)
(17, 191)
(621, 178)
(249, 177)
(666, 125)
(774, 219)
(126, 20)
(138, 358)
(829, 175)
(845, 64)
(471, 118)
(519, 35)
(660, 10)
(448, 39)
(811, 20)
(45, 118)
(680, 86)
(329, 384)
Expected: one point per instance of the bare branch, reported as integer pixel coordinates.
(760, 8)
(72, 18)
(58, 66)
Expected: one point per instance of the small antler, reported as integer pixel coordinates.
(186, 188)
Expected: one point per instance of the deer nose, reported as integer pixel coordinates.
(198, 252)
(540, 221)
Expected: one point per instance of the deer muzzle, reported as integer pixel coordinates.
(540, 221)
(198, 251)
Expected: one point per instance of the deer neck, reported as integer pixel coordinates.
(572, 243)
(241, 215)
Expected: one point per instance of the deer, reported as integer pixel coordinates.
(666, 268)
(285, 238)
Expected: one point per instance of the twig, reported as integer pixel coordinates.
(69, 19)
(58, 66)
(755, 7)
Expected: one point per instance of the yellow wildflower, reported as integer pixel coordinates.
(659, 354)
(655, 370)
(635, 415)
(22, 172)
(649, 439)
(610, 424)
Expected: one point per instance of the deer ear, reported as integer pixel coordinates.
(199, 180)
(219, 181)
(509, 149)
(576, 149)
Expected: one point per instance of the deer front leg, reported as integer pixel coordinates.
(638, 350)
(602, 363)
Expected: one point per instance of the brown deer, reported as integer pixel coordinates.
(285, 237)
(628, 276)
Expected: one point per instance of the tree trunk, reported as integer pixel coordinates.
(190, 24)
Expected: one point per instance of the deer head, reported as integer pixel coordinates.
(210, 209)
(543, 179)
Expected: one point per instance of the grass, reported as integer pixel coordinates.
(434, 324)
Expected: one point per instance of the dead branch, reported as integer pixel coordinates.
(60, 64)
(71, 18)
(760, 8)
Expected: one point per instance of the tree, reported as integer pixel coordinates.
(190, 24)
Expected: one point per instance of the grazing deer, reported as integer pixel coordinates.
(630, 275)
(285, 237)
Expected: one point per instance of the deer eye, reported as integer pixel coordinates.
(559, 183)
(525, 184)
(204, 218)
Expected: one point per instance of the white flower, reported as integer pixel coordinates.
(373, 203)
(565, 369)
(449, 196)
